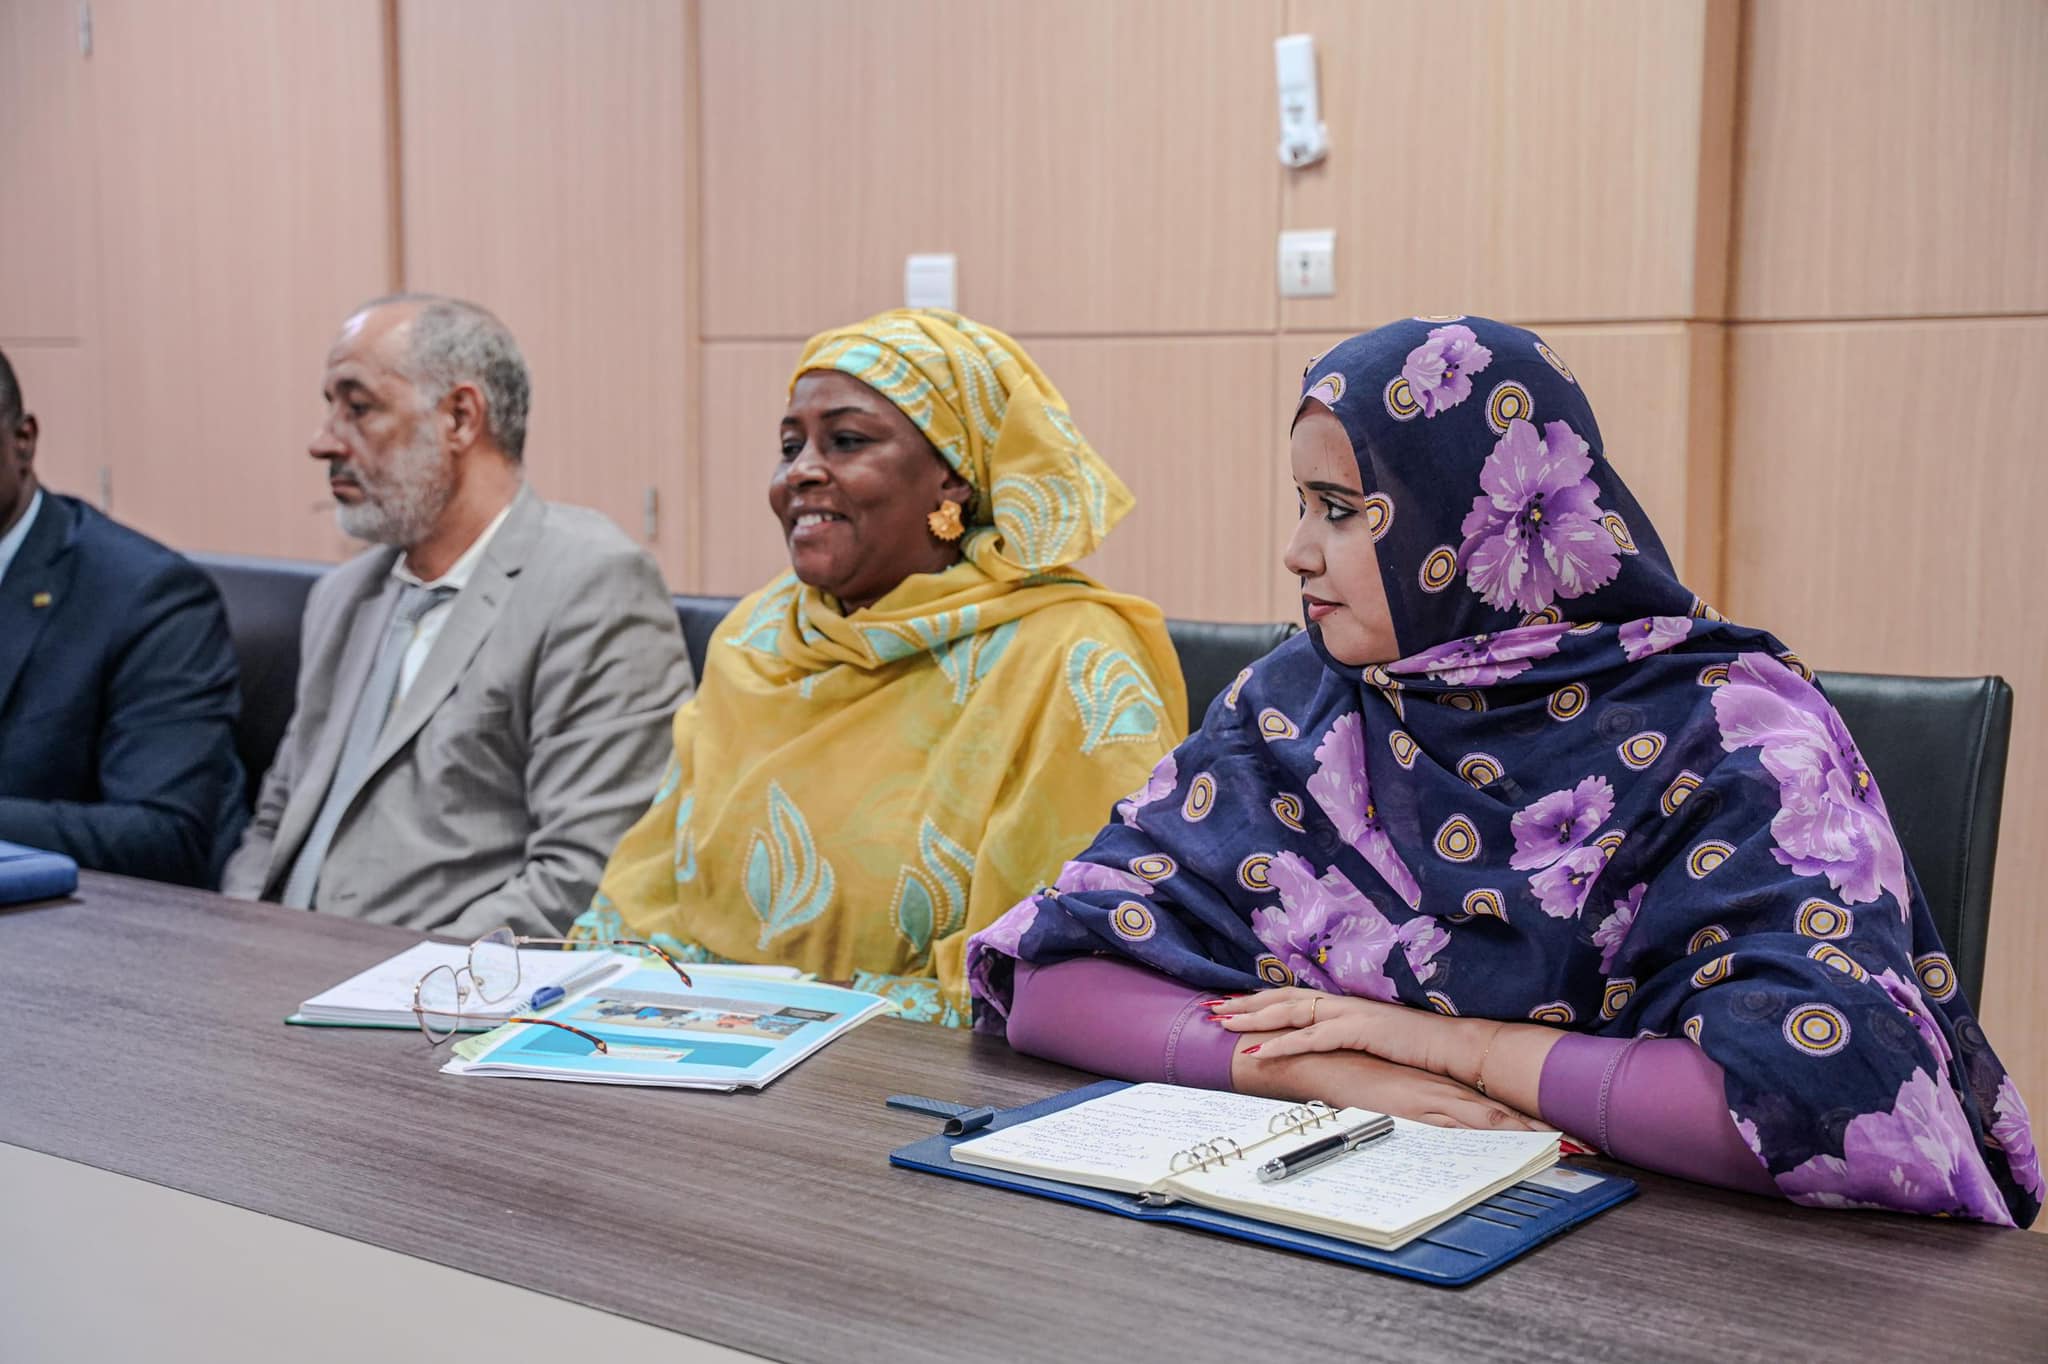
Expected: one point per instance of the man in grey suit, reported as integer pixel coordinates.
(484, 700)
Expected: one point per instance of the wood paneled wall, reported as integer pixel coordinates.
(1792, 248)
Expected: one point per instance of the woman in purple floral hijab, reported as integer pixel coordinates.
(1521, 826)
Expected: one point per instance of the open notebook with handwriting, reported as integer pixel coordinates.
(1433, 1203)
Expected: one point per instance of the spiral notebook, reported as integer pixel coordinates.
(1441, 1205)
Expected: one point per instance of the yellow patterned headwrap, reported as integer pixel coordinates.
(1043, 497)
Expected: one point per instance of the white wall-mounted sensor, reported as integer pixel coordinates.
(1303, 138)
(930, 282)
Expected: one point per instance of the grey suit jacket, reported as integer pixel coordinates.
(531, 740)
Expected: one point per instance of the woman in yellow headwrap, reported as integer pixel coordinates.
(906, 733)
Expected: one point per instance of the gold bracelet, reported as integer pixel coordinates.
(1479, 1075)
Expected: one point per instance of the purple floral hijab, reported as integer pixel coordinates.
(1582, 798)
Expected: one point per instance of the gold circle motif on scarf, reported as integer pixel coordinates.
(1400, 400)
(1937, 973)
(1509, 402)
(1793, 661)
(1618, 528)
(1404, 747)
(1457, 840)
(1683, 785)
(1463, 699)
(1610, 843)
(1616, 996)
(1567, 702)
(1827, 954)
(1480, 768)
(1132, 921)
(1714, 972)
(1702, 611)
(1154, 866)
(1378, 511)
(1236, 686)
(1550, 358)
(1441, 1002)
(1713, 935)
(1693, 1026)
(1272, 970)
(1486, 901)
(1549, 615)
(1819, 919)
(1817, 1029)
(1201, 798)
(1556, 1011)
(1706, 856)
(1640, 750)
(1274, 725)
(1439, 569)
(1254, 873)
(1287, 809)
(1714, 675)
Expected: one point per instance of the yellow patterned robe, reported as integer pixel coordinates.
(856, 795)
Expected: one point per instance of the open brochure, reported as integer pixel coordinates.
(726, 1032)
(381, 996)
(1201, 1146)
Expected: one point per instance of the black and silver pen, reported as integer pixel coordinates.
(1290, 1163)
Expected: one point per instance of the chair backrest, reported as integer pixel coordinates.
(1937, 747)
(265, 600)
(699, 616)
(1212, 654)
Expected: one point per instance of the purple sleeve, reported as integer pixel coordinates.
(1654, 1102)
(1118, 1018)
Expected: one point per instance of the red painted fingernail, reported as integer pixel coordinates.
(1249, 1050)
(1214, 1003)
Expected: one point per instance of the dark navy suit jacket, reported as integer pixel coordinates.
(118, 701)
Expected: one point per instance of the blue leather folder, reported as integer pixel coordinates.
(1475, 1242)
(32, 874)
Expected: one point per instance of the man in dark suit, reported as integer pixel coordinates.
(118, 693)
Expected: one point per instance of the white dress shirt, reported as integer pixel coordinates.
(429, 627)
(11, 543)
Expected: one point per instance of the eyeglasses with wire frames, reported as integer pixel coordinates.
(446, 996)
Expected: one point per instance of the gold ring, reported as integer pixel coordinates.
(1313, 1001)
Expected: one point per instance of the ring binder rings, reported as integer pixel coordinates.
(1508, 1222)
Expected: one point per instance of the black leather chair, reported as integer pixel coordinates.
(699, 616)
(1213, 654)
(265, 599)
(1937, 747)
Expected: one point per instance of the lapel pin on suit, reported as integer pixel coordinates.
(39, 600)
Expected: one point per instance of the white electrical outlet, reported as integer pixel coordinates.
(931, 282)
(1308, 263)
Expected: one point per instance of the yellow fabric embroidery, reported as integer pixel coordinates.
(856, 795)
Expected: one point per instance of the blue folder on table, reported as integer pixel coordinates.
(32, 874)
(1475, 1242)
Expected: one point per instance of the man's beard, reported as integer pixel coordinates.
(401, 505)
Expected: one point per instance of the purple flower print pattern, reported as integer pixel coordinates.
(1559, 822)
(1340, 787)
(1439, 371)
(1653, 635)
(1078, 877)
(1831, 819)
(1919, 1157)
(1562, 887)
(1613, 930)
(1483, 660)
(2016, 1139)
(1333, 938)
(1157, 787)
(1533, 535)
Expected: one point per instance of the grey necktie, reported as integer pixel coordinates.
(373, 708)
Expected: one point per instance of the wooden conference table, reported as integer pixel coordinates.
(142, 1037)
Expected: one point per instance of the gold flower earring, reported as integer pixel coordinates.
(945, 523)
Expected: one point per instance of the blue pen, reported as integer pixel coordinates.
(544, 996)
